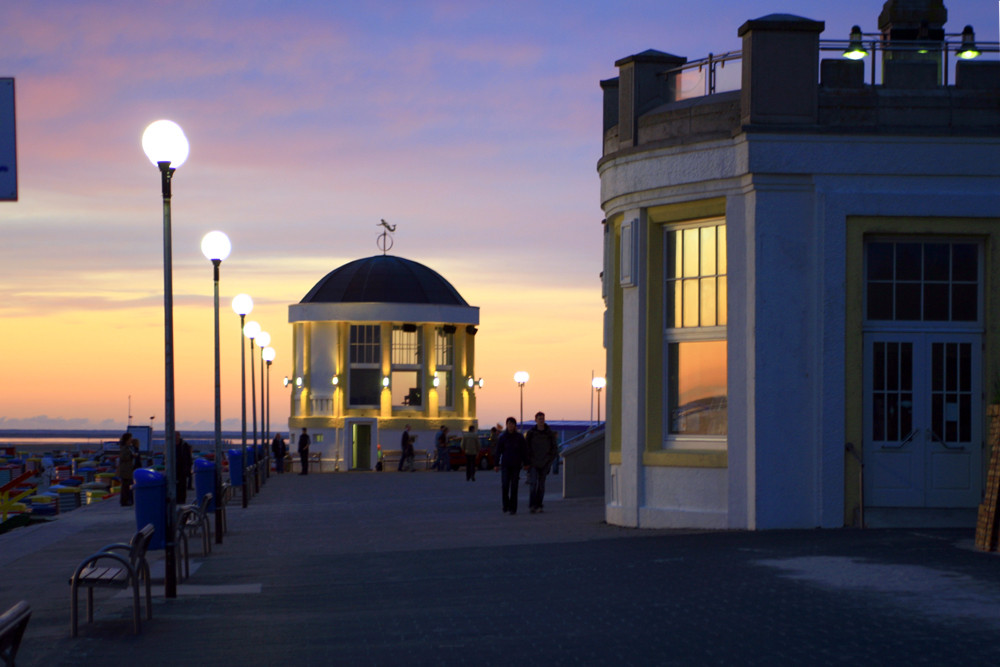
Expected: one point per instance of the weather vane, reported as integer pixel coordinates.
(384, 241)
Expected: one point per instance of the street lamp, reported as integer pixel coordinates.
(598, 383)
(521, 377)
(242, 305)
(263, 340)
(216, 247)
(251, 330)
(165, 145)
(268, 355)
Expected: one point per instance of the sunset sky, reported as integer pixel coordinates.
(473, 126)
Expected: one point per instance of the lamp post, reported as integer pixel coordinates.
(521, 377)
(165, 145)
(242, 306)
(268, 355)
(251, 330)
(598, 383)
(216, 247)
(263, 340)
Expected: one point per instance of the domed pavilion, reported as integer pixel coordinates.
(380, 343)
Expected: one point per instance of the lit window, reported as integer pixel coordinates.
(365, 380)
(407, 370)
(444, 356)
(695, 291)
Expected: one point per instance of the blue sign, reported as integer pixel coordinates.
(8, 145)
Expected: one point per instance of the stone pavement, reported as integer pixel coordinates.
(424, 569)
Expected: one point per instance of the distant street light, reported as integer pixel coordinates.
(521, 377)
(242, 306)
(598, 383)
(263, 340)
(166, 147)
(268, 355)
(216, 247)
(251, 330)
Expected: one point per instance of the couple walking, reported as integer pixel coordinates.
(534, 452)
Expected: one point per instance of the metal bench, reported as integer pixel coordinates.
(107, 568)
(193, 519)
(13, 623)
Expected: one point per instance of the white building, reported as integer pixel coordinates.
(801, 275)
(380, 343)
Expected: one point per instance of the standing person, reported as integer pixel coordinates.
(304, 451)
(278, 450)
(126, 466)
(441, 463)
(512, 454)
(403, 444)
(183, 462)
(542, 451)
(470, 445)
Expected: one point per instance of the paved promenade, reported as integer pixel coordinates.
(424, 569)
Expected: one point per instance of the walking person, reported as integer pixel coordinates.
(278, 449)
(511, 456)
(304, 451)
(470, 445)
(126, 467)
(183, 463)
(441, 463)
(403, 444)
(542, 451)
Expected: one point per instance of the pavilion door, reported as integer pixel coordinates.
(923, 415)
(361, 436)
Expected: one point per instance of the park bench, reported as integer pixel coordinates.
(107, 568)
(193, 520)
(13, 623)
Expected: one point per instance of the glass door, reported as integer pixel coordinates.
(922, 419)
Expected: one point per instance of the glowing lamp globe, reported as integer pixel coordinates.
(242, 304)
(251, 329)
(268, 354)
(598, 383)
(263, 339)
(521, 377)
(216, 246)
(164, 141)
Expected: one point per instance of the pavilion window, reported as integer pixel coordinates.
(407, 367)
(365, 381)
(444, 357)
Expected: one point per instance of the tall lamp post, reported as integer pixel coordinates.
(165, 145)
(251, 331)
(268, 356)
(242, 306)
(598, 383)
(521, 377)
(216, 247)
(263, 340)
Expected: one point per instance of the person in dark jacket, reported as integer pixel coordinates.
(304, 451)
(512, 454)
(183, 463)
(278, 449)
(542, 451)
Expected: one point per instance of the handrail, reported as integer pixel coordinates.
(708, 68)
(583, 435)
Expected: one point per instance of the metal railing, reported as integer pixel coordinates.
(711, 75)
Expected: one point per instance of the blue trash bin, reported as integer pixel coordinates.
(151, 504)
(204, 481)
(235, 467)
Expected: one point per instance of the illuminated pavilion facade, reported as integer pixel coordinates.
(380, 343)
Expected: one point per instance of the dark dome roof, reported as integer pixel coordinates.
(384, 279)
